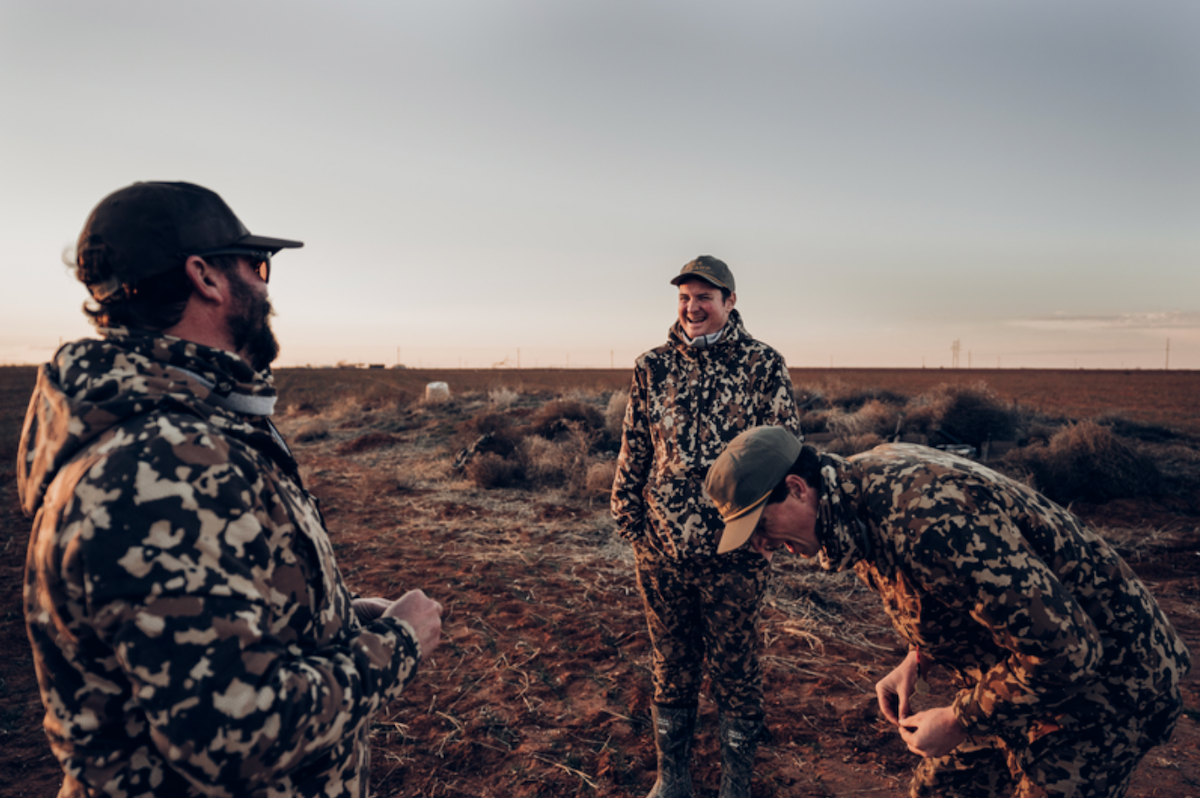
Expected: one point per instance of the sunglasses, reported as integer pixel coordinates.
(260, 260)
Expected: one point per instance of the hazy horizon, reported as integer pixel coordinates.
(478, 183)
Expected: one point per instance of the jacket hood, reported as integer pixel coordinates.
(94, 385)
(842, 535)
(734, 331)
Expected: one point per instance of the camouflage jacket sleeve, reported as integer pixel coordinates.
(975, 561)
(633, 463)
(779, 397)
(199, 585)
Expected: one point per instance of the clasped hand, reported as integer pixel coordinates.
(931, 733)
(423, 614)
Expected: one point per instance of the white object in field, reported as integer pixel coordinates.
(437, 392)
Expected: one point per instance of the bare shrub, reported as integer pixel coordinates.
(614, 413)
(1087, 461)
(563, 416)
(873, 417)
(968, 414)
(349, 406)
(1127, 428)
(315, 430)
(489, 470)
(809, 398)
(366, 442)
(816, 421)
(853, 444)
(561, 462)
(489, 432)
(502, 397)
(600, 476)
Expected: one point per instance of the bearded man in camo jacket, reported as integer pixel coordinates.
(689, 398)
(191, 632)
(1067, 670)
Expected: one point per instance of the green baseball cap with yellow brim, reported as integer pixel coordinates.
(742, 478)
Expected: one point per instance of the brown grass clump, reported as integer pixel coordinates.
(562, 462)
(489, 470)
(874, 417)
(852, 444)
(614, 413)
(562, 416)
(490, 432)
(1088, 461)
(600, 476)
(366, 442)
(315, 430)
(969, 414)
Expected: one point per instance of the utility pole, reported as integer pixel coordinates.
(1167, 367)
(954, 353)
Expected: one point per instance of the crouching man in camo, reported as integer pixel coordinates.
(191, 632)
(1067, 670)
(689, 398)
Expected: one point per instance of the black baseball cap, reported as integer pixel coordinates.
(148, 228)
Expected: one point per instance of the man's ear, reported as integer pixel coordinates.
(732, 299)
(798, 487)
(207, 280)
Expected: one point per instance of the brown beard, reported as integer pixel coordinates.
(251, 325)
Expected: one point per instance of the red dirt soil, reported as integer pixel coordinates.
(540, 686)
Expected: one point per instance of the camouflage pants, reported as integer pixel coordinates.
(1096, 762)
(705, 607)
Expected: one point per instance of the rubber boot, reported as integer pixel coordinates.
(739, 741)
(673, 731)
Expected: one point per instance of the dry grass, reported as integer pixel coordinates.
(1090, 462)
(540, 686)
(614, 412)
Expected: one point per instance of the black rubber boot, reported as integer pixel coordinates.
(739, 741)
(673, 731)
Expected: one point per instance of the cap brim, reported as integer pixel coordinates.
(272, 245)
(739, 530)
(701, 277)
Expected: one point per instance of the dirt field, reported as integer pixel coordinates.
(541, 687)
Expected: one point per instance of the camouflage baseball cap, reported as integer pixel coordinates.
(742, 478)
(708, 268)
(149, 228)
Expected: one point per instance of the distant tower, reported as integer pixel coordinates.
(954, 352)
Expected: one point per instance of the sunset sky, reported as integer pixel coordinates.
(479, 182)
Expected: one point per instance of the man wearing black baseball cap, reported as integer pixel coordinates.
(689, 398)
(191, 631)
(1068, 671)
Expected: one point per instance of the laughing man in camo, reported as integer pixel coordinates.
(689, 398)
(191, 632)
(1067, 669)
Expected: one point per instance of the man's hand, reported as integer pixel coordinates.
(368, 609)
(423, 614)
(894, 690)
(932, 733)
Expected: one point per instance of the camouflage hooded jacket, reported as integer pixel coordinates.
(191, 632)
(685, 405)
(1044, 624)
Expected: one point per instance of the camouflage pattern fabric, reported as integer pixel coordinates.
(191, 632)
(685, 405)
(1096, 762)
(700, 605)
(1051, 637)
